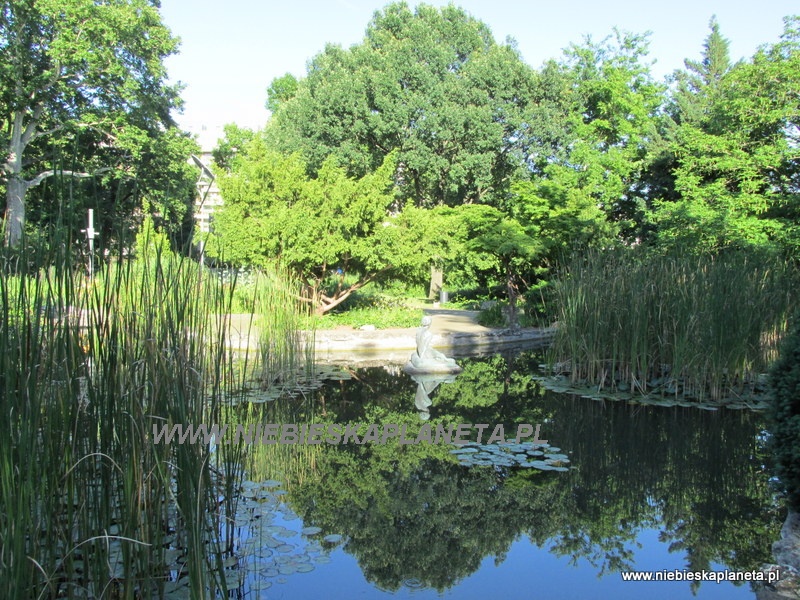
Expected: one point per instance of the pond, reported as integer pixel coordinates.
(647, 489)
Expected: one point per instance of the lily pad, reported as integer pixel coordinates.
(271, 542)
(305, 568)
(322, 560)
(260, 585)
(560, 457)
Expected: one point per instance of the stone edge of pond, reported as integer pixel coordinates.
(405, 339)
(381, 340)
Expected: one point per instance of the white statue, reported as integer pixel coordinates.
(426, 359)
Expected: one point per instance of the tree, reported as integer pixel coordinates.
(689, 103)
(738, 171)
(335, 233)
(602, 108)
(431, 84)
(697, 85)
(543, 223)
(232, 144)
(511, 245)
(75, 66)
(280, 90)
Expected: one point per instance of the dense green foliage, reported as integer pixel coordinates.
(84, 99)
(430, 84)
(785, 413)
(735, 152)
(324, 229)
(588, 151)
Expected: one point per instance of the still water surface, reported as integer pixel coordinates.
(649, 488)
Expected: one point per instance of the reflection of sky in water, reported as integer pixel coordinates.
(526, 572)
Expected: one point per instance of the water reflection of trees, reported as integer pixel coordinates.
(410, 512)
(435, 523)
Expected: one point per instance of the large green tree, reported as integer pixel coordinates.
(429, 83)
(697, 85)
(334, 232)
(597, 112)
(80, 69)
(737, 170)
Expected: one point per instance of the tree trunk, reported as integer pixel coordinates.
(15, 209)
(17, 187)
(437, 281)
(513, 294)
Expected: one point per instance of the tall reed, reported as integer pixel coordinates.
(698, 327)
(286, 329)
(90, 506)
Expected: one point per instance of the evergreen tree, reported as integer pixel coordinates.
(736, 168)
(698, 84)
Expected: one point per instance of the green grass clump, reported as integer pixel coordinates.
(493, 316)
(694, 327)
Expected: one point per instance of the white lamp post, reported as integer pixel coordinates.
(90, 235)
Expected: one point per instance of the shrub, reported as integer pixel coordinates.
(785, 415)
(493, 316)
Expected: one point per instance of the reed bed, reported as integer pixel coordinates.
(286, 330)
(702, 328)
(90, 506)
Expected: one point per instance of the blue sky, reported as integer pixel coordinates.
(232, 49)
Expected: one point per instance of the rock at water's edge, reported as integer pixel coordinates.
(786, 553)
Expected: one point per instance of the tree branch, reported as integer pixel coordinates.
(33, 122)
(329, 302)
(45, 174)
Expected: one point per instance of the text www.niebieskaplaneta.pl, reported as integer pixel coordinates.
(318, 433)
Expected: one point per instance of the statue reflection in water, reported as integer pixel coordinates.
(428, 367)
(425, 385)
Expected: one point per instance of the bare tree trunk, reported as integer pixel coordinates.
(513, 293)
(17, 187)
(15, 210)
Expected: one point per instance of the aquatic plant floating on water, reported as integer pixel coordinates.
(512, 455)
